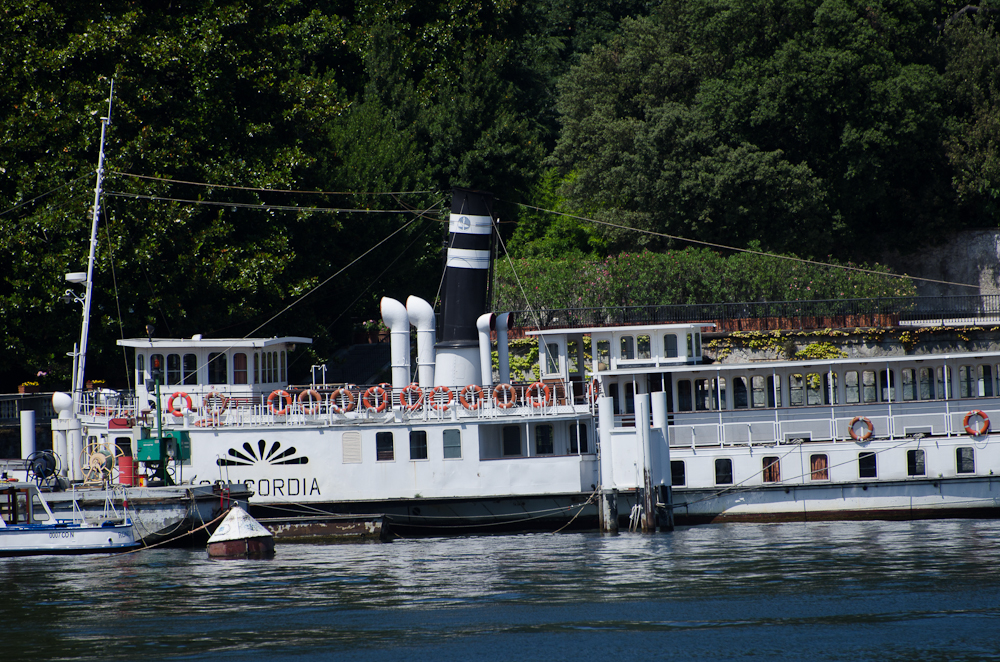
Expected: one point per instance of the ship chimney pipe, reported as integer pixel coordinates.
(422, 317)
(484, 323)
(466, 277)
(503, 356)
(395, 317)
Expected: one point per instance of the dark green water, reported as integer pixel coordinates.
(818, 591)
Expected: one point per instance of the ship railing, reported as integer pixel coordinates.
(382, 403)
(108, 403)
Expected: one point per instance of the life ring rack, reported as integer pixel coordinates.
(170, 403)
(869, 428)
(544, 397)
(279, 396)
(313, 396)
(435, 403)
(342, 400)
(411, 397)
(471, 397)
(509, 393)
(977, 431)
(375, 399)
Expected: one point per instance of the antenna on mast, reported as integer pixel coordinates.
(81, 358)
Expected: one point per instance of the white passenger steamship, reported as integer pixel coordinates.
(643, 429)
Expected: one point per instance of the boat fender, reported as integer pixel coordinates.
(434, 399)
(407, 395)
(471, 397)
(538, 395)
(375, 399)
(869, 429)
(175, 396)
(982, 429)
(505, 395)
(312, 396)
(279, 396)
(342, 400)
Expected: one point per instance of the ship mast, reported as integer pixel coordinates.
(81, 358)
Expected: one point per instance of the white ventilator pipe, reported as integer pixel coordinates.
(422, 317)
(395, 317)
(27, 433)
(483, 324)
(503, 355)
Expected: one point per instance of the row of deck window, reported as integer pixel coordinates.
(640, 347)
(819, 466)
(859, 386)
(385, 443)
(183, 369)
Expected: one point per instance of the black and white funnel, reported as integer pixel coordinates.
(466, 279)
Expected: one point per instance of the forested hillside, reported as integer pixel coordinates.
(811, 128)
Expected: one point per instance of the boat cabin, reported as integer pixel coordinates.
(242, 368)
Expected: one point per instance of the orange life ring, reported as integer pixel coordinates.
(337, 400)
(441, 405)
(541, 389)
(211, 421)
(406, 397)
(975, 432)
(593, 390)
(279, 395)
(869, 428)
(509, 393)
(223, 401)
(312, 396)
(471, 397)
(170, 402)
(376, 394)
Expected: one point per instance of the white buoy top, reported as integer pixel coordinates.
(238, 525)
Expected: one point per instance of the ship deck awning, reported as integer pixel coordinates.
(212, 343)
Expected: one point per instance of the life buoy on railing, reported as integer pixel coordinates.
(593, 391)
(537, 400)
(505, 396)
(342, 400)
(411, 397)
(375, 399)
(170, 402)
(313, 396)
(975, 432)
(436, 403)
(868, 428)
(279, 396)
(206, 401)
(471, 397)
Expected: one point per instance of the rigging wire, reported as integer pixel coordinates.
(740, 250)
(266, 190)
(118, 301)
(47, 193)
(248, 205)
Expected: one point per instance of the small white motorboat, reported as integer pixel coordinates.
(28, 527)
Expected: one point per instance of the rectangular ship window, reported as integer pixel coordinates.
(819, 467)
(915, 463)
(965, 460)
(723, 471)
(418, 444)
(867, 467)
(677, 476)
(452, 444)
(384, 447)
(772, 470)
(577, 438)
(512, 440)
(543, 440)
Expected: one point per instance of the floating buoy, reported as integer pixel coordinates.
(240, 536)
